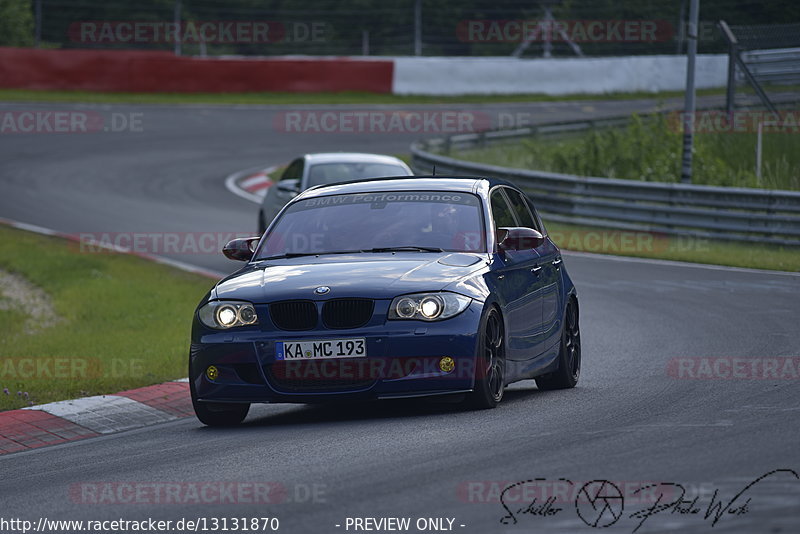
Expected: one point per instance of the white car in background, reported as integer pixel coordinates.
(321, 169)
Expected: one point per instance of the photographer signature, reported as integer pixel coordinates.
(600, 503)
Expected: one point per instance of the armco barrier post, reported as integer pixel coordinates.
(689, 108)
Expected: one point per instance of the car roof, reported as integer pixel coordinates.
(465, 184)
(350, 157)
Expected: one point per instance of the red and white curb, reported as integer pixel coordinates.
(250, 184)
(72, 420)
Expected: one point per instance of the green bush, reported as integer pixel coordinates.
(651, 150)
(16, 23)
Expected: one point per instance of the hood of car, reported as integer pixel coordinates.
(367, 276)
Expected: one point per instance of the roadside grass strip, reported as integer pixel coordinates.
(283, 98)
(118, 322)
(651, 245)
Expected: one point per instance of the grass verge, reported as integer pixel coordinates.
(651, 150)
(347, 97)
(124, 321)
(678, 248)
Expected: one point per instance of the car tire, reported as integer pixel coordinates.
(218, 413)
(490, 363)
(569, 355)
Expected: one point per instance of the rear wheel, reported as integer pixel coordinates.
(569, 357)
(490, 368)
(218, 413)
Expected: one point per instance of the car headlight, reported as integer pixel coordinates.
(428, 306)
(224, 314)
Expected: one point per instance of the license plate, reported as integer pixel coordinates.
(321, 349)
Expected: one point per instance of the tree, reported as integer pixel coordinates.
(16, 23)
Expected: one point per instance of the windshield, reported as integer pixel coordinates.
(418, 220)
(328, 173)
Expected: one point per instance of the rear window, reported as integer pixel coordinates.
(328, 173)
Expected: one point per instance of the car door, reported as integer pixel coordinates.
(517, 285)
(282, 192)
(552, 282)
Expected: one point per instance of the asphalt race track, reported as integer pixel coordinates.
(630, 420)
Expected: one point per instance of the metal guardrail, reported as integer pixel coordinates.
(739, 214)
(780, 66)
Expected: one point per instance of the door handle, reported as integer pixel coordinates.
(557, 263)
(535, 270)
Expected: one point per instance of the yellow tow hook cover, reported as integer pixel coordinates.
(447, 364)
(212, 372)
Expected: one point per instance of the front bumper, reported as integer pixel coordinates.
(402, 361)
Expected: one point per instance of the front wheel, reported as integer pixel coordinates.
(217, 413)
(490, 365)
(569, 357)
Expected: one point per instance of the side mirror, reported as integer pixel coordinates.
(241, 249)
(516, 238)
(289, 186)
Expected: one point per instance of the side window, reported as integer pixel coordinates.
(501, 213)
(520, 207)
(536, 216)
(294, 171)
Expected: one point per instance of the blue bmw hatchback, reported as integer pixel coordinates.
(388, 288)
